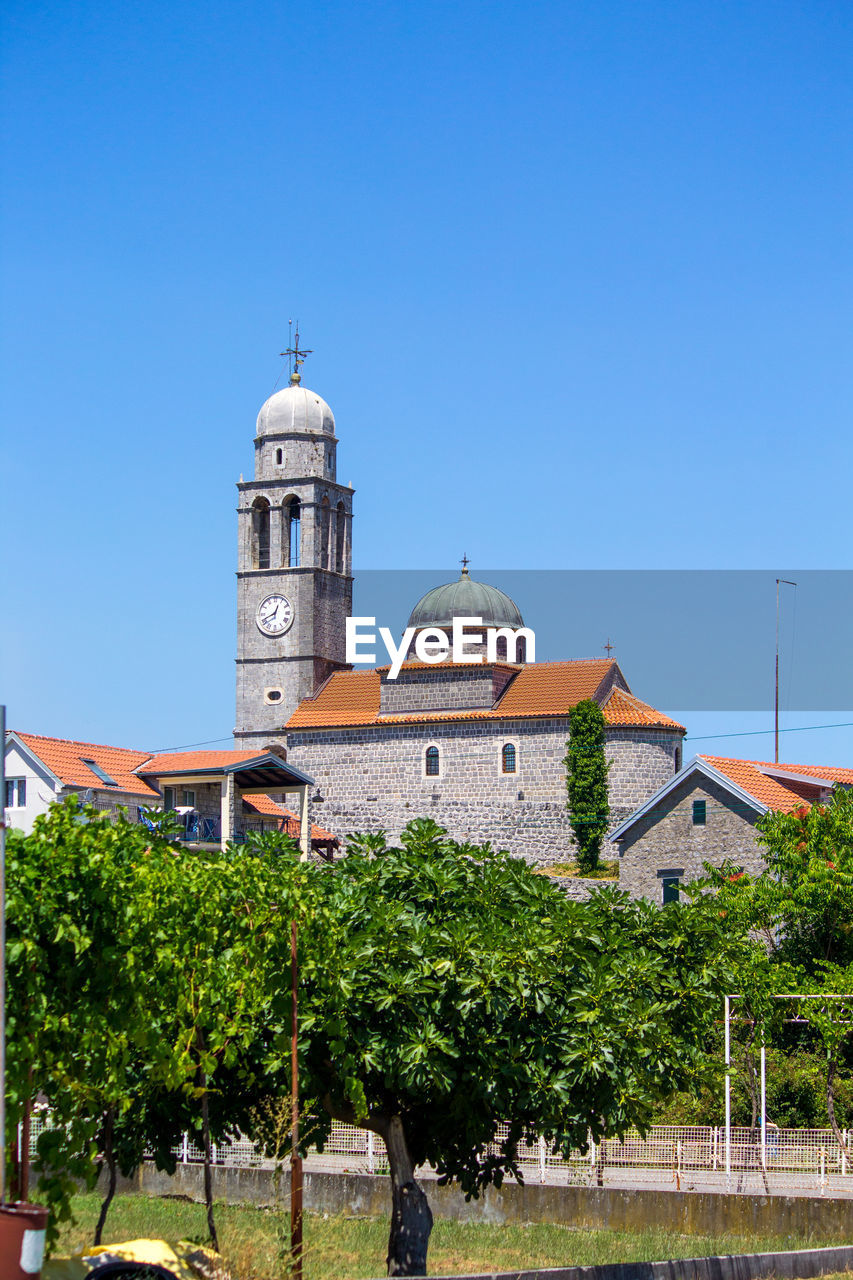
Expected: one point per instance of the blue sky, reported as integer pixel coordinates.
(577, 277)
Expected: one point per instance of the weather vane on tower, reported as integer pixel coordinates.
(295, 354)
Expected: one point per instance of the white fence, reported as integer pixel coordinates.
(677, 1157)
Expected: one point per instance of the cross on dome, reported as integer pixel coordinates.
(297, 356)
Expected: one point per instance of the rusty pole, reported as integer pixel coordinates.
(296, 1159)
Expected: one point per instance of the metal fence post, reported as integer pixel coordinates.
(371, 1162)
(843, 1152)
(185, 1151)
(728, 1095)
(822, 1170)
(541, 1159)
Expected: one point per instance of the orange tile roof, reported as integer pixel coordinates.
(622, 709)
(772, 791)
(267, 807)
(540, 689)
(189, 761)
(64, 757)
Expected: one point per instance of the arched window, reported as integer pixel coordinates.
(432, 762)
(261, 533)
(508, 758)
(325, 556)
(294, 511)
(278, 457)
(340, 532)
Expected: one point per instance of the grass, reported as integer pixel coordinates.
(604, 870)
(254, 1241)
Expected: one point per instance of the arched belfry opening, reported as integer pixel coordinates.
(293, 524)
(260, 534)
(325, 557)
(340, 537)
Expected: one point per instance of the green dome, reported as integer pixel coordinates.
(465, 599)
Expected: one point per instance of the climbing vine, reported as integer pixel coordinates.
(586, 782)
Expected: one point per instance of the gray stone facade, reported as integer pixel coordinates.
(668, 840)
(374, 777)
(444, 688)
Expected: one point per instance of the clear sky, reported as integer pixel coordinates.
(577, 277)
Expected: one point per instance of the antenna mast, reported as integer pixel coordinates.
(788, 583)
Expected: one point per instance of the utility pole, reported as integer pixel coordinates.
(295, 1159)
(788, 583)
(23, 1191)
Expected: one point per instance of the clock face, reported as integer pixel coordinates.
(275, 615)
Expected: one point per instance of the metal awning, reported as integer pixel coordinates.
(267, 772)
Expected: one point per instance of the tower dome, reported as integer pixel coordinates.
(465, 598)
(295, 408)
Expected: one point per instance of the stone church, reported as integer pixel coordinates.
(478, 745)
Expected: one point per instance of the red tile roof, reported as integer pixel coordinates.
(622, 709)
(189, 761)
(540, 689)
(773, 791)
(64, 757)
(267, 807)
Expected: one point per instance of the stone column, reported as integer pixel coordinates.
(228, 809)
(304, 825)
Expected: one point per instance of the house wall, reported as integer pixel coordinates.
(666, 839)
(41, 789)
(374, 778)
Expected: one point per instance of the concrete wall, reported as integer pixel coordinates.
(683, 1212)
(667, 839)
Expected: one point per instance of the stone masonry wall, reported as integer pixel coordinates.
(442, 689)
(374, 778)
(667, 840)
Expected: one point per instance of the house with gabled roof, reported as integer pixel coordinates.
(218, 795)
(706, 813)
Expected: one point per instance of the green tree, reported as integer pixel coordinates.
(457, 990)
(801, 907)
(78, 1011)
(144, 991)
(586, 782)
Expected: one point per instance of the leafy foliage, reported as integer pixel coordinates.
(459, 990)
(586, 782)
(144, 993)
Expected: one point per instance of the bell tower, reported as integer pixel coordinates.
(294, 563)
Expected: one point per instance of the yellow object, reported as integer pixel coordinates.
(175, 1260)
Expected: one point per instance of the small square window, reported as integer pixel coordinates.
(189, 799)
(699, 813)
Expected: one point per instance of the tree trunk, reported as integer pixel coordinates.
(26, 1135)
(110, 1159)
(411, 1218)
(208, 1181)
(831, 1068)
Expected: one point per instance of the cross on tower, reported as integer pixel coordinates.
(608, 647)
(296, 356)
(464, 562)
